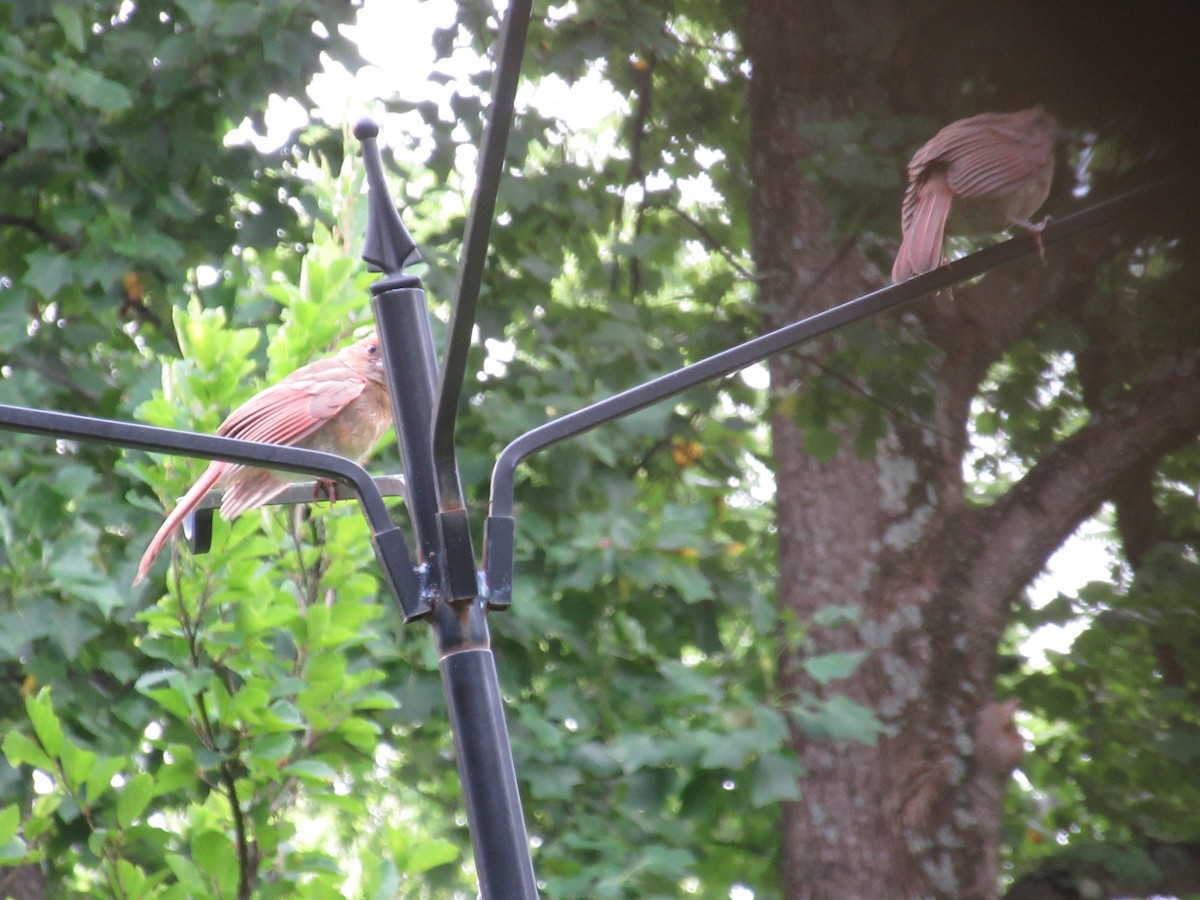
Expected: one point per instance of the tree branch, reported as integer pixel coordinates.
(638, 130)
(52, 374)
(710, 241)
(1005, 545)
(61, 241)
(1178, 875)
(14, 143)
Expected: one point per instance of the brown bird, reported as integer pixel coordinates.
(997, 167)
(338, 405)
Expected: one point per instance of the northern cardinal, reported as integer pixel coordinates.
(995, 167)
(338, 405)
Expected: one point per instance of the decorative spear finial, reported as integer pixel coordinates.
(389, 248)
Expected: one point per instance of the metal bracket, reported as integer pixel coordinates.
(198, 524)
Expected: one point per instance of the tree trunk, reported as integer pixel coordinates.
(887, 530)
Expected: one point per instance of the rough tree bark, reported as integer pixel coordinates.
(916, 814)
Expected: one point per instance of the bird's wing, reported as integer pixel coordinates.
(986, 155)
(285, 413)
(291, 410)
(993, 160)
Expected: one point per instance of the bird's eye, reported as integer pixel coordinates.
(372, 349)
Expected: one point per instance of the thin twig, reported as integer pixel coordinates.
(710, 241)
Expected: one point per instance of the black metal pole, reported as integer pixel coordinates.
(458, 611)
(481, 742)
(402, 323)
(489, 780)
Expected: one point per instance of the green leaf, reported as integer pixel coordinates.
(77, 764)
(359, 732)
(133, 798)
(273, 747)
(821, 443)
(693, 587)
(49, 272)
(180, 773)
(131, 878)
(776, 778)
(670, 860)
(311, 770)
(13, 852)
(214, 854)
(828, 667)
(14, 325)
(47, 805)
(381, 879)
(45, 723)
(172, 700)
(249, 702)
(10, 821)
(728, 751)
(431, 854)
(188, 874)
(71, 23)
(90, 88)
(637, 751)
(376, 700)
(286, 715)
(157, 248)
(78, 573)
(837, 718)
(19, 750)
(99, 779)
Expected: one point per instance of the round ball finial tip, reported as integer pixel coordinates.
(366, 128)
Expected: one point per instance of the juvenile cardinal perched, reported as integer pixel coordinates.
(337, 405)
(984, 173)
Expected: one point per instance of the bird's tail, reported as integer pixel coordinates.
(185, 505)
(921, 245)
(251, 489)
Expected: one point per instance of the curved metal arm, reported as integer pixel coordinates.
(498, 541)
(391, 548)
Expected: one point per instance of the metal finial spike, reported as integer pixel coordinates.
(389, 247)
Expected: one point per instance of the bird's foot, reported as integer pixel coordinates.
(327, 488)
(1035, 229)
